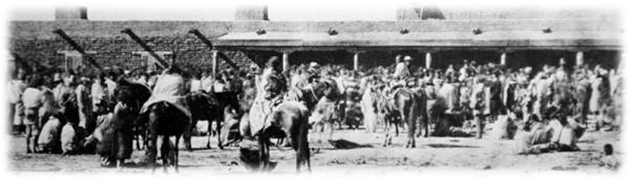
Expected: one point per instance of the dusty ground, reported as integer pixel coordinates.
(432, 154)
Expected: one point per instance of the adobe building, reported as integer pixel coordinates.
(434, 37)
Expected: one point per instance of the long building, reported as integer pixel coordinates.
(434, 37)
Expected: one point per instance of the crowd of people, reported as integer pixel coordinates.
(59, 111)
(544, 102)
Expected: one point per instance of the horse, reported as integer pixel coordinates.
(210, 107)
(165, 121)
(289, 119)
(405, 104)
(326, 96)
(168, 118)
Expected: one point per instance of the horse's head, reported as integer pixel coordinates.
(124, 94)
(201, 104)
(327, 88)
(229, 98)
(247, 99)
(131, 93)
(275, 85)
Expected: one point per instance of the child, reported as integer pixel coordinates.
(609, 161)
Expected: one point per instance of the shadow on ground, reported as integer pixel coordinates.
(345, 144)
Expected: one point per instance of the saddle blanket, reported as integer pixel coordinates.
(169, 88)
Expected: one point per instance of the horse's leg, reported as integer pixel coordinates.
(386, 129)
(263, 153)
(164, 143)
(188, 135)
(153, 151)
(300, 143)
(176, 154)
(320, 131)
(145, 137)
(141, 134)
(330, 133)
(296, 145)
(425, 124)
(219, 126)
(396, 125)
(404, 116)
(307, 154)
(209, 134)
(119, 163)
(136, 134)
(411, 126)
(420, 122)
(303, 143)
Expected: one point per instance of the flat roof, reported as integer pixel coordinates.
(275, 40)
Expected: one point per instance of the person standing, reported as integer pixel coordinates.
(110, 80)
(100, 94)
(49, 105)
(84, 104)
(583, 92)
(478, 104)
(195, 83)
(32, 102)
(496, 105)
(448, 92)
(16, 86)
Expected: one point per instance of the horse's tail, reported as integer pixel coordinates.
(155, 113)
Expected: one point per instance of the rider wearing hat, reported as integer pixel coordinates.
(402, 68)
(402, 75)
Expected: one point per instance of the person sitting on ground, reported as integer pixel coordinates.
(72, 138)
(609, 160)
(49, 138)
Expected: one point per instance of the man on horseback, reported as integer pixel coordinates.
(402, 75)
(168, 115)
(270, 85)
(272, 116)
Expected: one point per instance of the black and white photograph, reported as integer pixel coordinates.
(314, 88)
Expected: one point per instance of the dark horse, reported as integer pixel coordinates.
(210, 107)
(130, 97)
(168, 119)
(289, 119)
(165, 121)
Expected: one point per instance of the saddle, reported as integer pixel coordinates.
(261, 114)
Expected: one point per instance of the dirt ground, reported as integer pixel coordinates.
(431, 154)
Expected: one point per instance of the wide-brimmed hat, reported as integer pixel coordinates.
(408, 58)
(84, 79)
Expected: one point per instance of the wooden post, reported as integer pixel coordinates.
(503, 58)
(214, 63)
(356, 61)
(579, 58)
(428, 60)
(285, 62)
